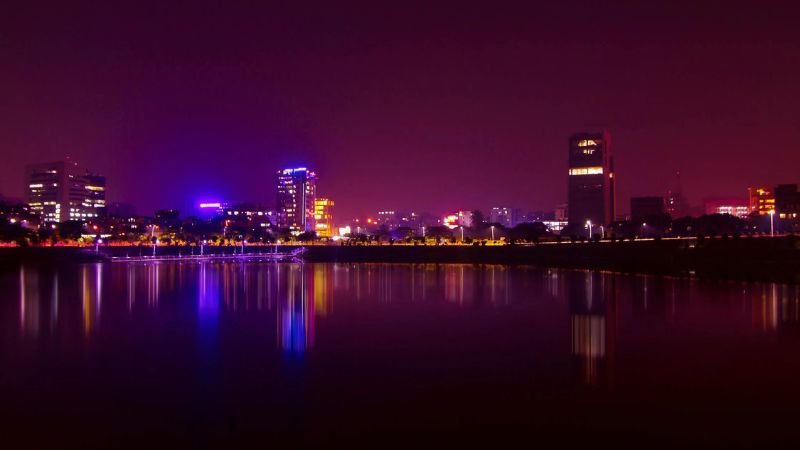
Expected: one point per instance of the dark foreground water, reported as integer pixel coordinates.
(282, 355)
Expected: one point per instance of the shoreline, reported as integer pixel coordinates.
(747, 259)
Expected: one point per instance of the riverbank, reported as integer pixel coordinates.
(753, 259)
(13, 257)
(763, 259)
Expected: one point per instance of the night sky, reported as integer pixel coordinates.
(399, 105)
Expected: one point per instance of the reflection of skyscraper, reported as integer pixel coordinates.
(296, 312)
(766, 308)
(29, 314)
(34, 308)
(92, 299)
(323, 278)
(592, 300)
(297, 189)
(591, 179)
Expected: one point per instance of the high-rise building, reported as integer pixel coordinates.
(676, 202)
(591, 179)
(297, 189)
(502, 215)
(61, 190)
(323, 217)
(760, 200)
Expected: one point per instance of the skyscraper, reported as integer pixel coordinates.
(61, 190)
(323, 217)
(297, 189)
(591, 179)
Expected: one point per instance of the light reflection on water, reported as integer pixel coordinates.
(526, 323)
(298, 294)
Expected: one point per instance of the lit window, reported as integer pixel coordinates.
(586, 171)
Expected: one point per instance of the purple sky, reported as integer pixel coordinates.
(404, 106)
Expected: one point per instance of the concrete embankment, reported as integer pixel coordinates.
(762, 259)
(734, 258)
(11, 258)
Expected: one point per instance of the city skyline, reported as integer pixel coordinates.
(343, 224)
(602, 203)
(472, 107)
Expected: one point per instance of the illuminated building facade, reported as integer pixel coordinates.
(297, 189)
(590, 187)
(458, 219)
(249, 216)
(732, 206)
(323, 217)
(61, 191)
(210, 209)
(12, 212)
(760, 200)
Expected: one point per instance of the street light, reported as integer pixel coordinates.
(772, 222)
(589, 226)
(152, 237)
(641, 233)
(492, 232)
(462, 234)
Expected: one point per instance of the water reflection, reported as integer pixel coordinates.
(592, 301)
(290, 300)
(38, 302)
(92, 298)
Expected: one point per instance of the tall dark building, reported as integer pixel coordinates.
(591, 179)
(297, 189)
(787, 201)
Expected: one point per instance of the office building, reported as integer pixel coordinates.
(60, 191)
(732, 206)
(297, 189)
(323, 217)
(760, 200)
(787, 201)
(458, 219)
(210, 209)
(502, 215)
(591, 179)
(253, 216)
(644, 207)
